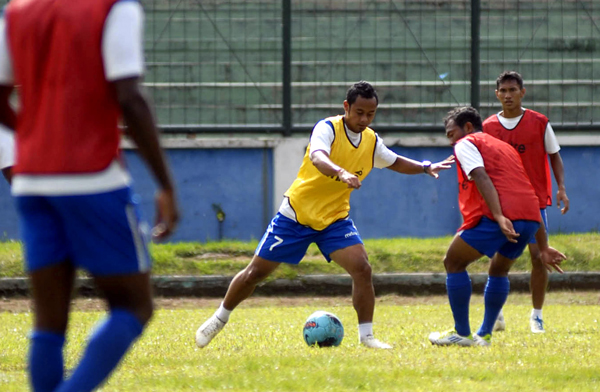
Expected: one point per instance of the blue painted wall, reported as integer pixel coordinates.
(388, 205)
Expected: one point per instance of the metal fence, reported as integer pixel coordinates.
(281, 65)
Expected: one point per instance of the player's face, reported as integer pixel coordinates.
(360, 114)
(454, 133)
(510, 95)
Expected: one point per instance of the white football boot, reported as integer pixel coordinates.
(537, 324)
(500, 324)
(208, 331)
(371, 342)
(451, 338)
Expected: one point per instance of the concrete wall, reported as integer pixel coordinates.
(246, 177)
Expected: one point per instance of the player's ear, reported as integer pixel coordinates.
(523, 92)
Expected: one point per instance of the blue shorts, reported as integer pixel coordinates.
(545, 220)
(488, 239)
(100, 233)
(286, 241)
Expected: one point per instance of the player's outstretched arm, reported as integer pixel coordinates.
(410, 166)
(326, 166)
(559, 174)
(142, 130)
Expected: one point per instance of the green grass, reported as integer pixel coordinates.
(385, 255)
(262, 350)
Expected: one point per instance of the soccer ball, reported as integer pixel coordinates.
(323, 329)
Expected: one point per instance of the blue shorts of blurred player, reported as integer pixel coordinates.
(100, 233)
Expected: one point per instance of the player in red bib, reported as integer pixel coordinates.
(500, 214)
(532, 136)
(79, 66)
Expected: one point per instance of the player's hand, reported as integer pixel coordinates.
(435, 168)
(507, 229)
(167, 214)
(561, 196)
(348, 178)
(552, 259)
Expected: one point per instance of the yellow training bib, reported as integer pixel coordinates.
(319, 200)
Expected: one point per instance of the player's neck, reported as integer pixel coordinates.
(511, 113)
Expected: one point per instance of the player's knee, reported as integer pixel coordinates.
(536, 262)
(253, 276)
(450, 265)
(362, 270)
(144, 312)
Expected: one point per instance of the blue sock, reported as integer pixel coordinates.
(459, 290)
(107, 345)
(46, 360)
(494, 297)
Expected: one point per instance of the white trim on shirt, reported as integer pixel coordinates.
(468, 156)
(110, 179)
(550, 142)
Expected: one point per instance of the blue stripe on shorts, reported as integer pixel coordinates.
(286, 241)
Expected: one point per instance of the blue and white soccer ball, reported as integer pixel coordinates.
(323, 329)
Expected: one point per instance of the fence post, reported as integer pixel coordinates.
(286, 64)
(475, 52)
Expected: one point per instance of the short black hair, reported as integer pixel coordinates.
(362, 88)
(463, 115)
(509, 75)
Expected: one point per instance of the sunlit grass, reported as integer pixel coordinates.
(262, 350)
(385, 255)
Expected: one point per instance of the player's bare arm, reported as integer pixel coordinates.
(142, 130)
(490, 195)
(326, 166)
(559, 174)
(410, 166)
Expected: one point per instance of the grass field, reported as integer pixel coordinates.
(262, 348)
(385, 255)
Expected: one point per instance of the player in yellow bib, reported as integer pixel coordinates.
(341, 153)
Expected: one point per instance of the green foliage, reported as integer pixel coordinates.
(385, 255)
(262, 349)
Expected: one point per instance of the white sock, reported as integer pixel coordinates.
(223, 314)
(536, 313)
(500, 315)
(364, 330)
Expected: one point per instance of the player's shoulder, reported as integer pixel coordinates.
(537, 116)
(491, 119)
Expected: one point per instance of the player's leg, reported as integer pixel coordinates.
(341, 243)
(106, 238)
(51, 279)
(51, 289)
(458, 286)
(285, 241)
(130, 308)
(538, 282)
(498, 285)
(495, 293)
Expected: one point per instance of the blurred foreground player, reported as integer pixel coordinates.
(500, 216)
(78, 65)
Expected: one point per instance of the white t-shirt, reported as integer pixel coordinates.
(7, 148)
(123, 57)
(550, 143)
(321, 139)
